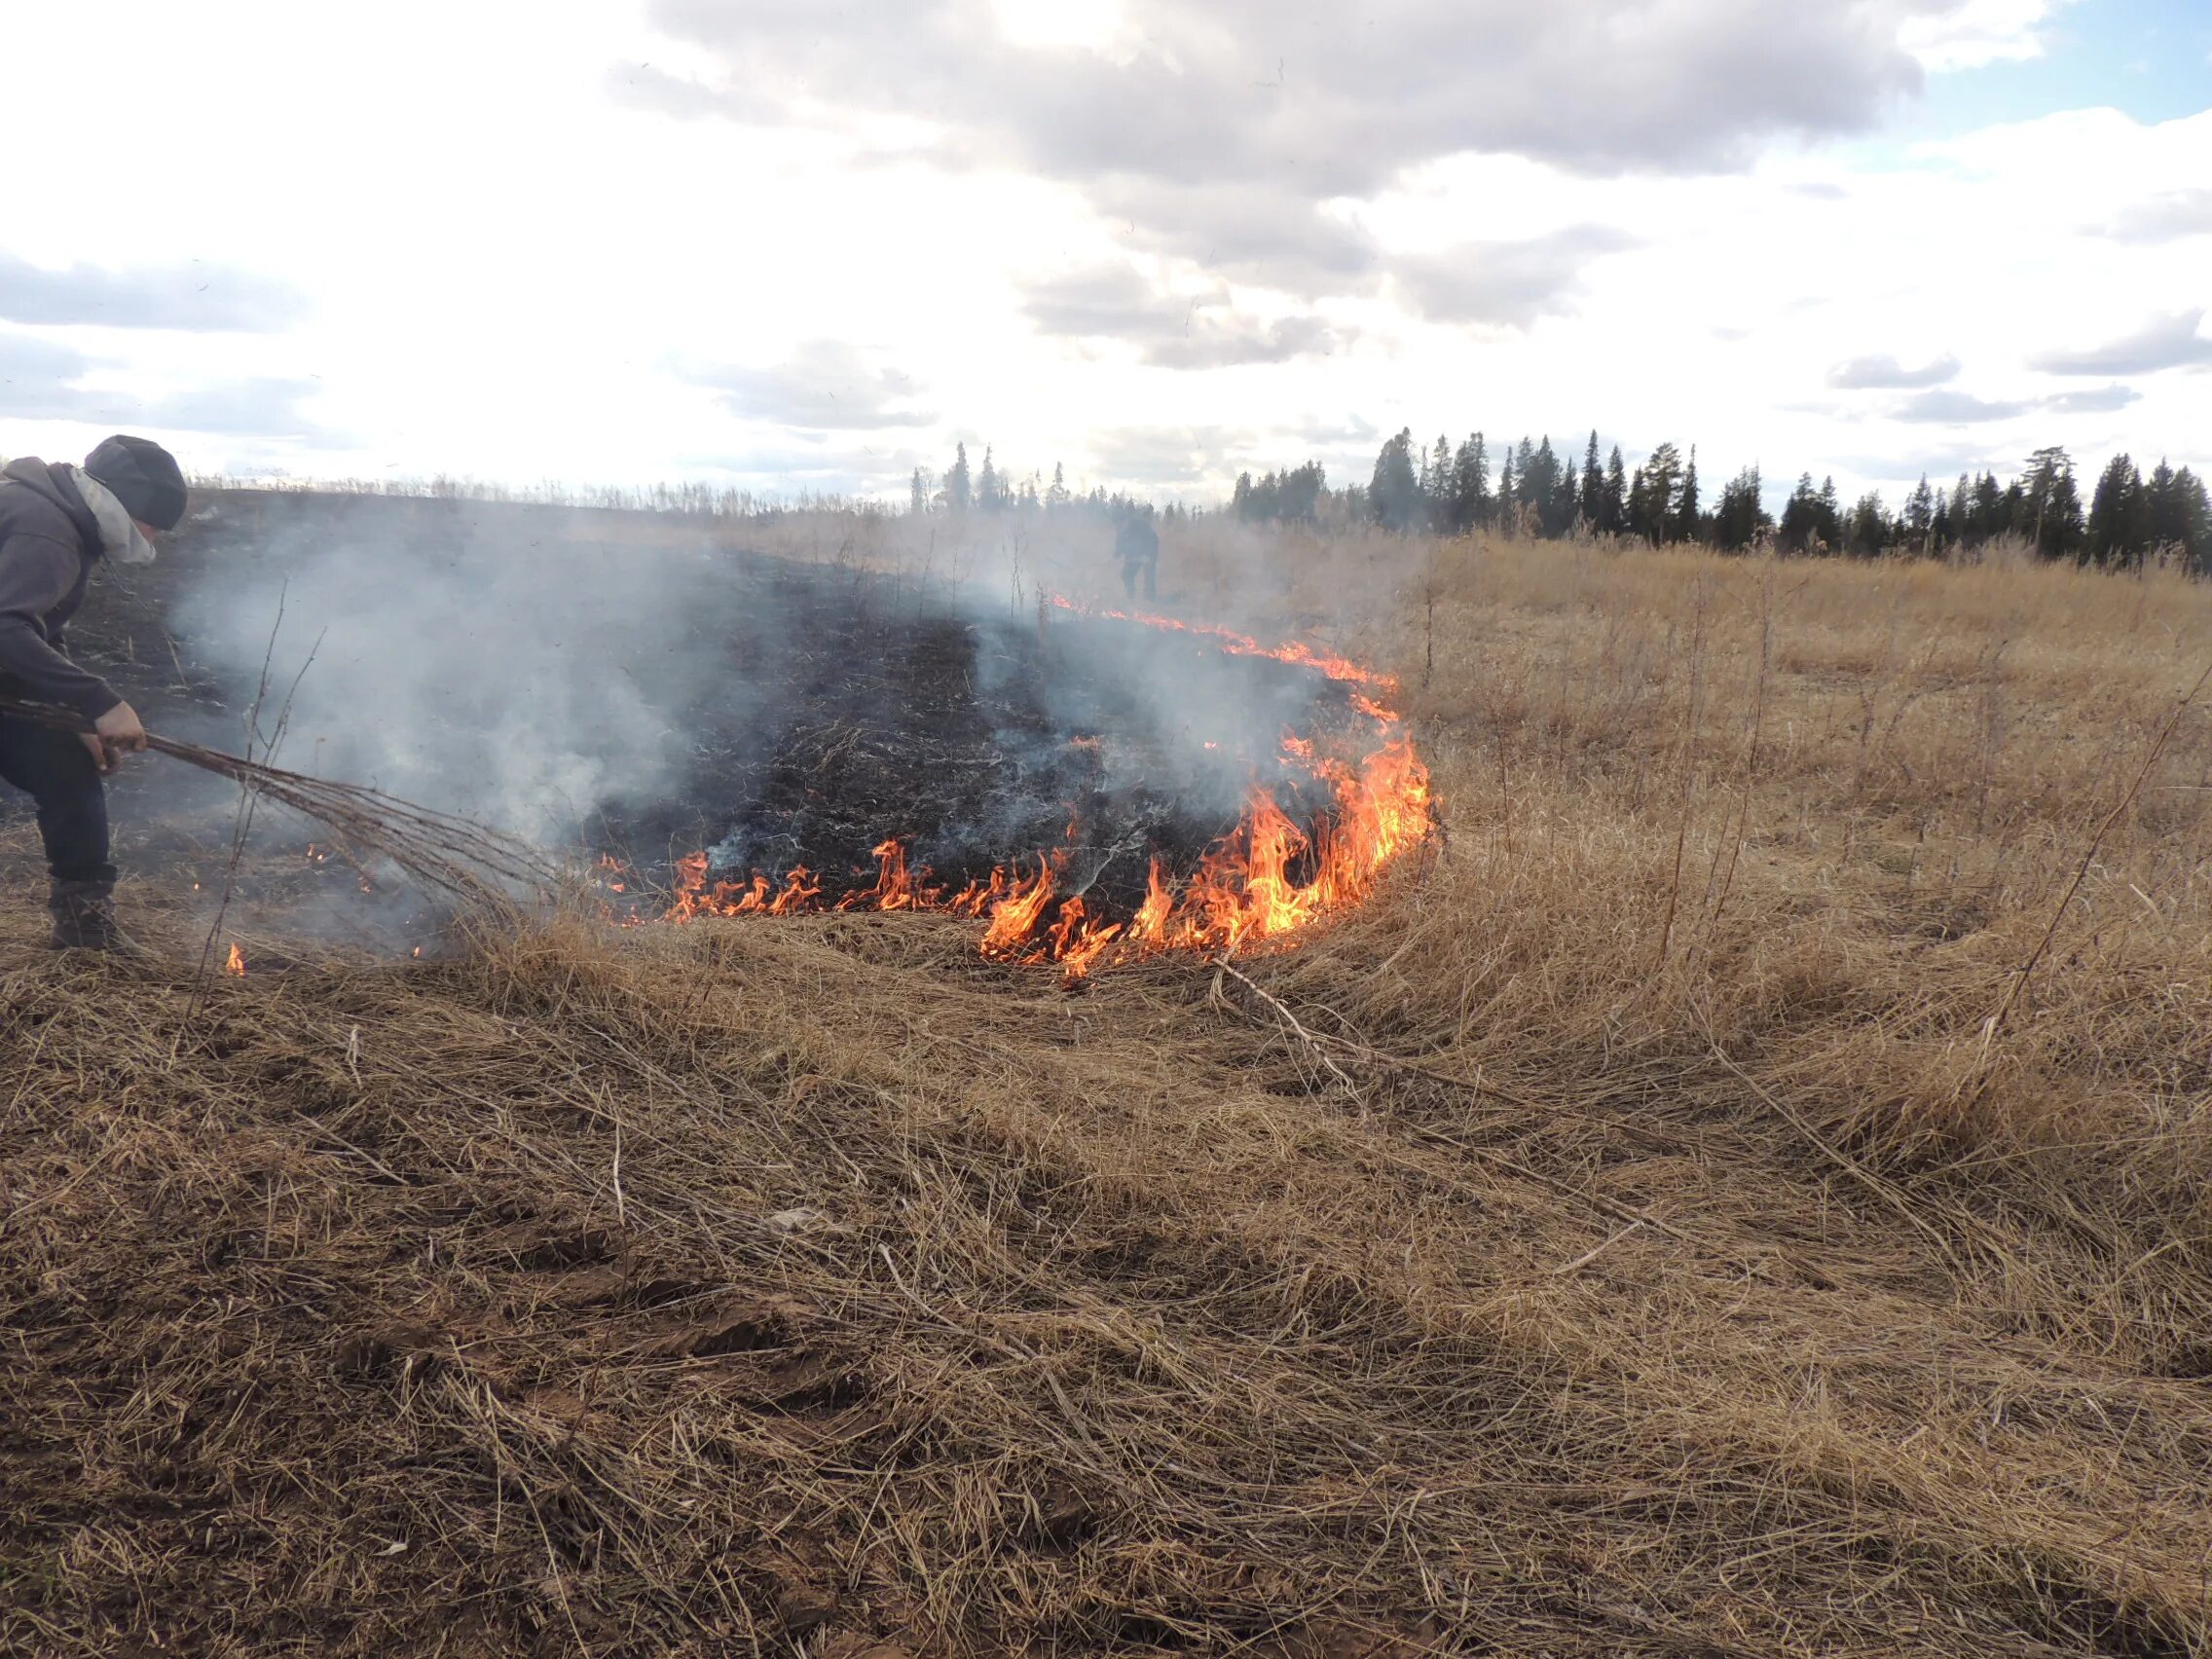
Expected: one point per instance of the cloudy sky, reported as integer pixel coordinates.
(808, 247)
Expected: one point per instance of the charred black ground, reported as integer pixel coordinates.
(978, 741)
(813, 710)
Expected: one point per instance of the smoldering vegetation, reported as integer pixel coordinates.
(563, 676)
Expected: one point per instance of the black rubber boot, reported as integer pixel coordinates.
(84, 919)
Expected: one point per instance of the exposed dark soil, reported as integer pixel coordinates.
(975, 740)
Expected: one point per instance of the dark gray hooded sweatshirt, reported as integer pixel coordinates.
(48, 543)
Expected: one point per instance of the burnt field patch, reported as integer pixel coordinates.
(723, 731)
(974, 740)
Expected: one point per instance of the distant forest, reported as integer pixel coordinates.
(1535, 492)
(993, 490)
(1532, 490)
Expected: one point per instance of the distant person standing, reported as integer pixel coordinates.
(1138, 545)
(57, 523)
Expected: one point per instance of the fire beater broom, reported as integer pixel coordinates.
(457, 856)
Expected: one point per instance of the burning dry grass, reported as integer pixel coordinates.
(1625, 1235)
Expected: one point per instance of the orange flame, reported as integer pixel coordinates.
(1150, 925)
(1334, 667)
(1263, 882)
(235, 963)
(1014, 918)
(895, 887)
(694, 898)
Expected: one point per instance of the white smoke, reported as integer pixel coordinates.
(557, 672)
(497, 662)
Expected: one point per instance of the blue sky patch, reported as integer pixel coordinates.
(2150, 59)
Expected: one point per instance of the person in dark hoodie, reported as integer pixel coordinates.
(56, 522)
(1138, 545)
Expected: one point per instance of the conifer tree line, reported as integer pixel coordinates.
(992, 490)
(1532, 489)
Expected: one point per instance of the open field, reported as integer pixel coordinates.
(1663, 1221)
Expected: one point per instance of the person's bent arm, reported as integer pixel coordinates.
(36, 574)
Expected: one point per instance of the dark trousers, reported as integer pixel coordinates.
(1151, 570)
(56, 771)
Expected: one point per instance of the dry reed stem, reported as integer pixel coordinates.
(455, 856)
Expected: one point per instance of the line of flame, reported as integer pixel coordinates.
(1241, 895)
(1328, 663)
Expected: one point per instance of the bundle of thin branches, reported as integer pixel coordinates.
(473, 863)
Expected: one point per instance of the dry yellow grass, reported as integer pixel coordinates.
(1641, 1243)
(1739, 799)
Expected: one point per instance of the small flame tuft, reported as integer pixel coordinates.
(235, 963)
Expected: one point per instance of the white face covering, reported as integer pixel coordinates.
(120, 540)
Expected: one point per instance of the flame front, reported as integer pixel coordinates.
(235, 963)
(1261, 884)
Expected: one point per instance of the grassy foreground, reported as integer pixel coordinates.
(1665, 1222)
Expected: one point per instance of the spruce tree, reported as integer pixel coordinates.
(2054, 505)
(1661, 473)
(2176, 518)
(1569, 498)
(1508, 497)
(1539, 486)
(1740, 516)
(1829, 516)
(1470, 486)
(958, 495)
(2118, 531)
(1613, 509)
(918, 494)
(1868, 531)
(1920, 514)
(2159, 504)
(1800, 517)
(1682, 521)
(2192, 520)
(2062, 525)
(1056, 496)
(1985, 518)
(1593, 487)
(1393, 493)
